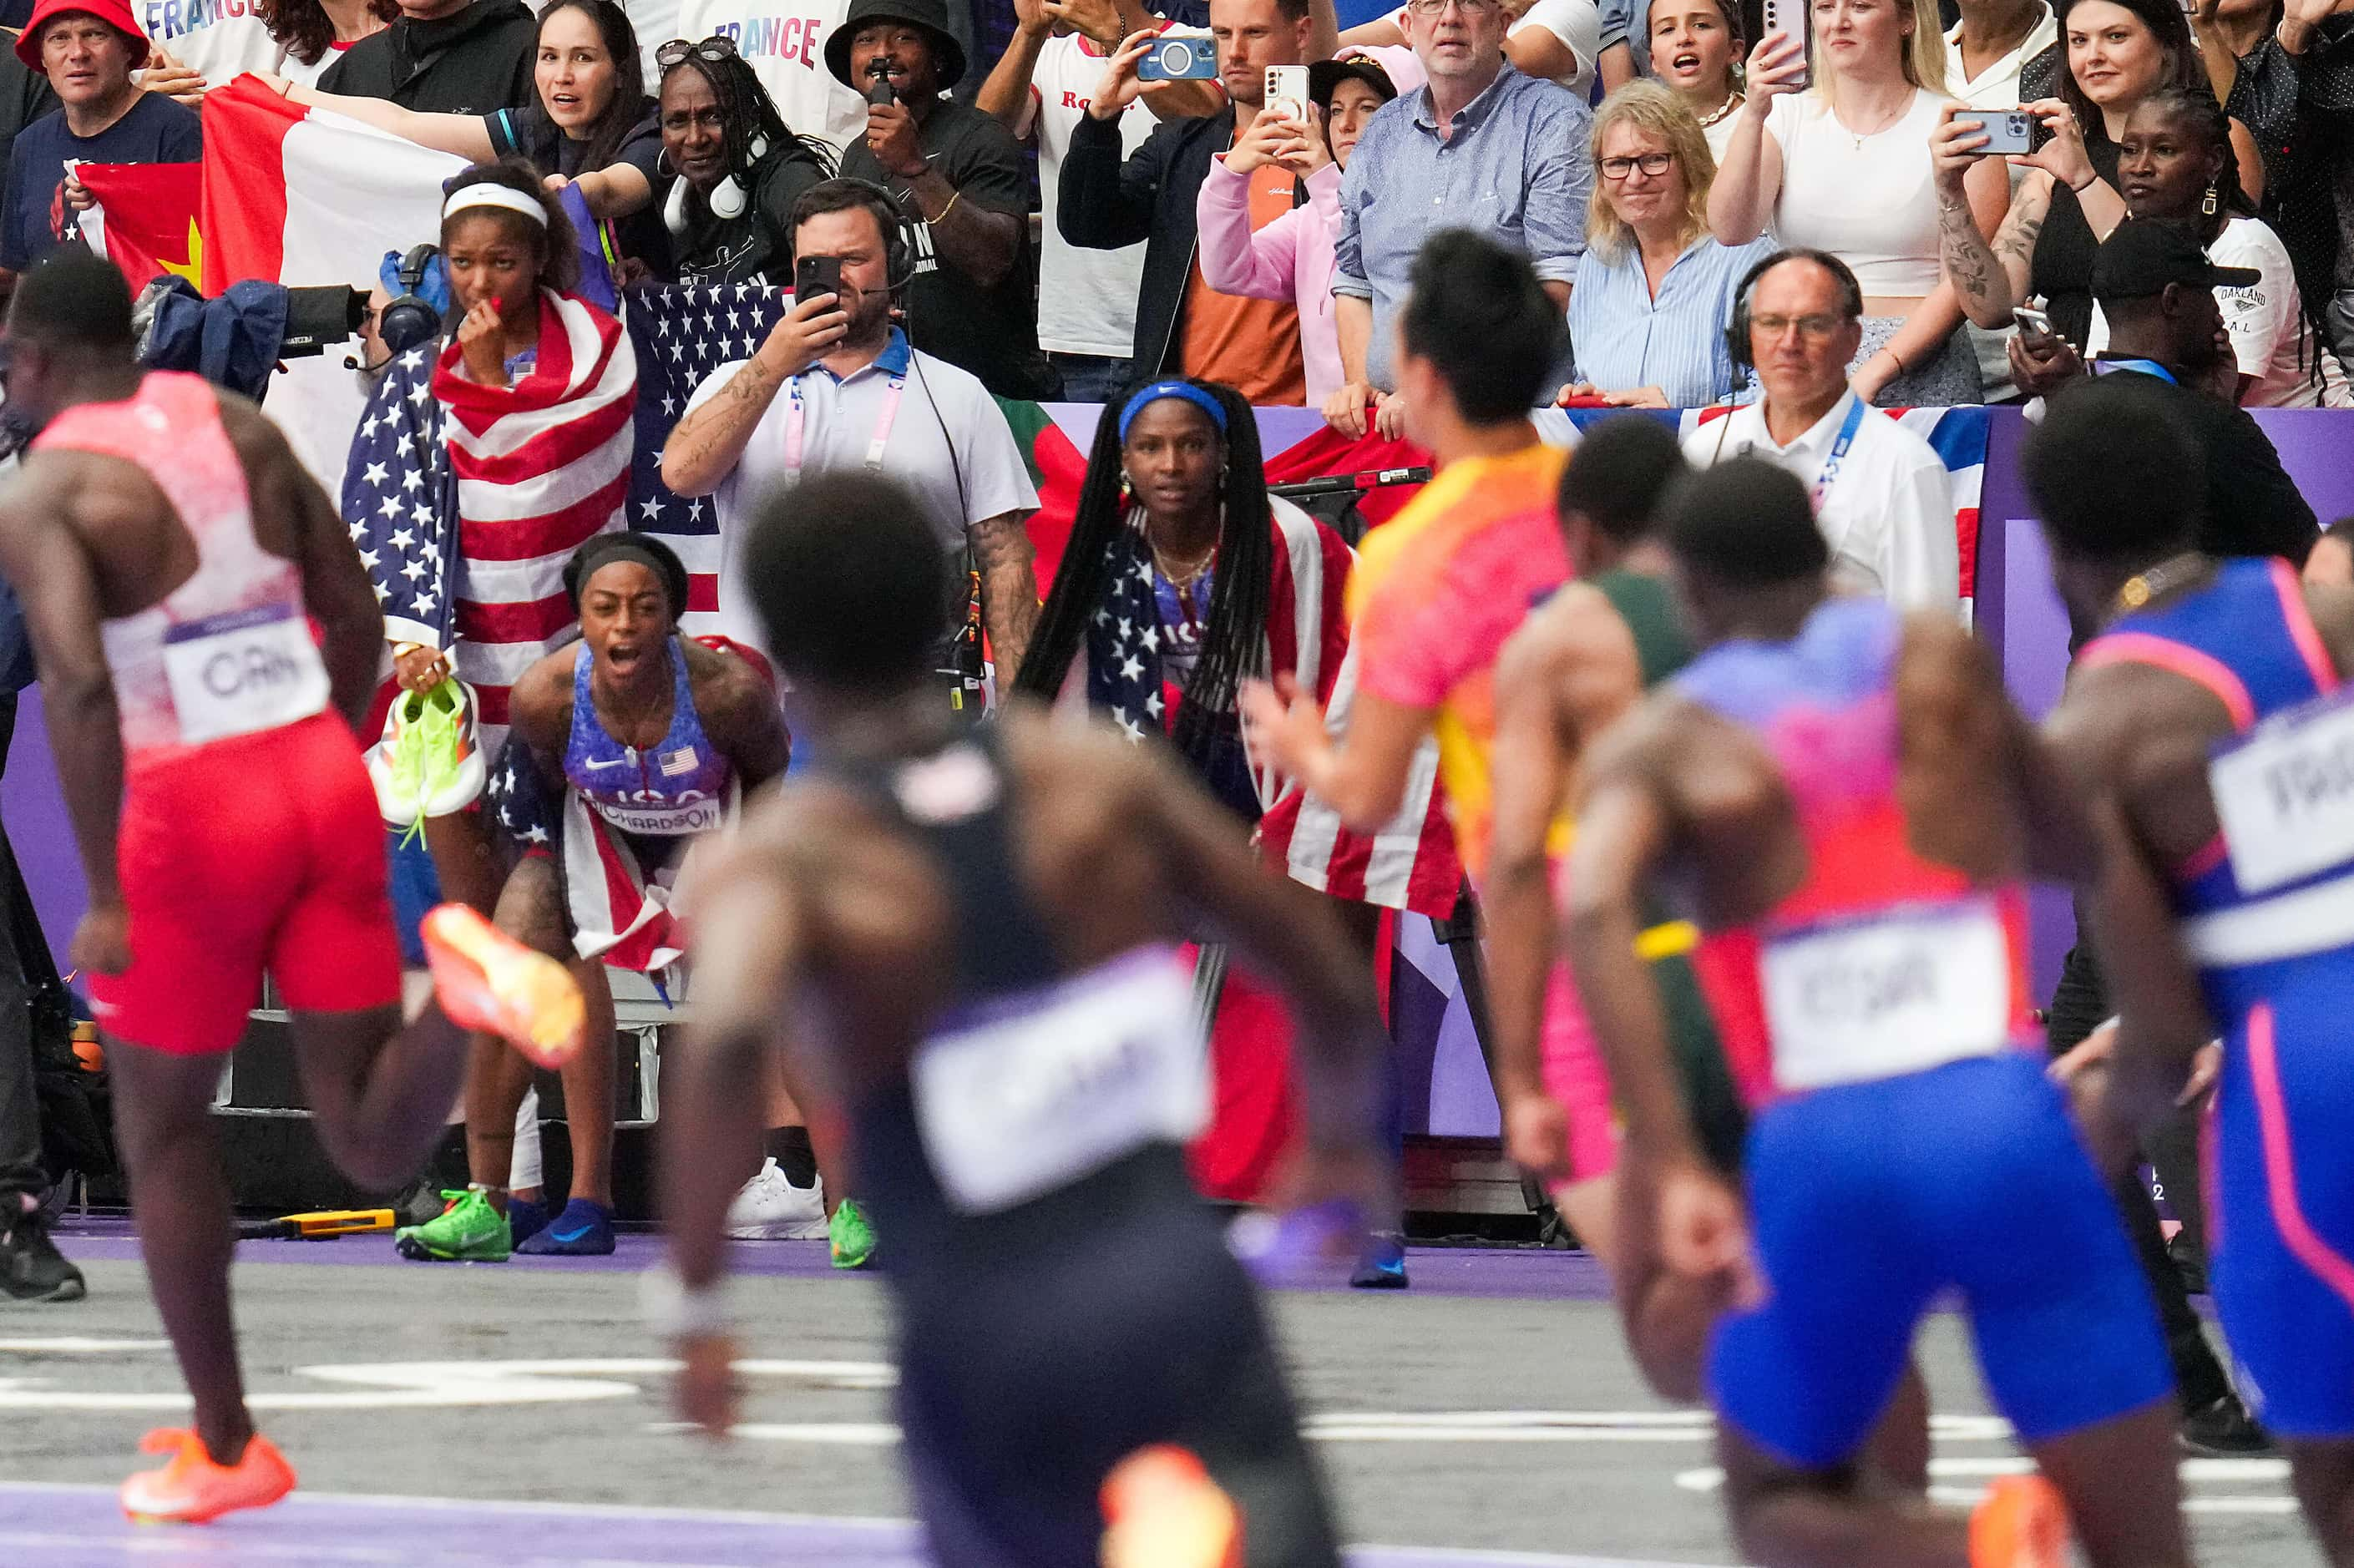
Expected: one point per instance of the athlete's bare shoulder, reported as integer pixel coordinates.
(2332, 609)
(1565, 639)
(540, 704)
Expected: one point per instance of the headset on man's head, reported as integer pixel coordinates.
(1737, 335)
(898, 235)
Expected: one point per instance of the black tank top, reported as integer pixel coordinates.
(2061, 268)
(959, 802)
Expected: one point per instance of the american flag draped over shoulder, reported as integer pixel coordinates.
(1410, 864)
(525, 474)
(682, 335)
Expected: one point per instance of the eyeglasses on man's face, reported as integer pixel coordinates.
(1652, 163)
(1814, 328)
(1433, 8)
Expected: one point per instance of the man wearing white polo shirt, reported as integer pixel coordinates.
(1881, 497)
(836, 385)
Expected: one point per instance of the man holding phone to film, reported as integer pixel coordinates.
(837, 386)
(1185, 327)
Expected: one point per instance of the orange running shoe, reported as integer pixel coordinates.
(2021, 1522)
(193, 1490)
(486, 980)
(1164, 1511)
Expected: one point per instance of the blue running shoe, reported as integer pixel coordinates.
(526, 1217)
(583, 1230)
(1382, 1266)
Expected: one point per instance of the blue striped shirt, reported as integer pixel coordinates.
(1513, 167)
(1623, 338)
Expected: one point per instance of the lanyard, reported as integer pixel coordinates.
(2141, 366)
(874, 446)
(1830, 476)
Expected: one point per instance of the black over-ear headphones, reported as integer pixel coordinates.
(409, 319)
(899, 231)
(1737, 335)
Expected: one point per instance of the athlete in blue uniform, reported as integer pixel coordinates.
(2209, 719)
(1847, 803)
(972, 935)
(626, 748)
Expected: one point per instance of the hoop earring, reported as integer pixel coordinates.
(2207, 209)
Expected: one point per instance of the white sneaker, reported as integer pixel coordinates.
(770, 1207)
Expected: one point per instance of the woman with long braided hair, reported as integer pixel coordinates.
(1182, 577)
(737, 167)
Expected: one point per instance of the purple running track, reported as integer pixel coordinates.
(81, 1526)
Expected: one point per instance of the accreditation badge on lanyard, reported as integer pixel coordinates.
(795, 422)
(1846, 439)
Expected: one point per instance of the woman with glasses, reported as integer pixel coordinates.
(1654, 292)
(735, 169)
(1696, 47)
(1831, 153)
(593, 126)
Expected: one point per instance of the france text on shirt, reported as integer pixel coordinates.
(784, 43)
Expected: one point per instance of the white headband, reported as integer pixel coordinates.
(488, 194)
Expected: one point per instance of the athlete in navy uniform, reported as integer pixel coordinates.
(971, 933)
(2211, 720)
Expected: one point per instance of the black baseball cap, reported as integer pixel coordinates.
(1323, 75)
(2146, 254)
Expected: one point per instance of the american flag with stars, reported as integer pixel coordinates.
(682, 335)
(400, 499)
(467, 499)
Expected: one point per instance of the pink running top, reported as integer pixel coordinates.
(230, 651)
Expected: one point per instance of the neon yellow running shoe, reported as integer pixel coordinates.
(468, 1231)
(852, 1236)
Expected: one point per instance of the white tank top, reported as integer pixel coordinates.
(1868, 200)
(230, 651)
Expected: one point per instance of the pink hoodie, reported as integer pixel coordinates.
(1290, 259)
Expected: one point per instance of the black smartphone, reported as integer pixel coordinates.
(815, 275)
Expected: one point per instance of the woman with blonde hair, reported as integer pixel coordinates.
(1654, 291)
(1831, 153)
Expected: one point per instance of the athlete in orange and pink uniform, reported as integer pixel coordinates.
(174, 560)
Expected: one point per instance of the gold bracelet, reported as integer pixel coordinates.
(941, 217)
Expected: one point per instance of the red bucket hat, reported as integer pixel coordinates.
(116, 14)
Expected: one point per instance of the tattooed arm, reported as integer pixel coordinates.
(1009, 587)
(706, 443)
(1990, 280)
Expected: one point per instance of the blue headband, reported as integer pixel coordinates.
(1186, 390)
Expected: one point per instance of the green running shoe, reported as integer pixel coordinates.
(852, 1238)
(468, 1231)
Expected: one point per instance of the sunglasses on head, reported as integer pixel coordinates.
(714, 48)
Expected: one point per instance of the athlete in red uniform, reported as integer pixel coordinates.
(207, 636)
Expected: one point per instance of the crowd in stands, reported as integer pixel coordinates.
(1073, 221)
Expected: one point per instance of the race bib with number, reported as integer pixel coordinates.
(2285, 794)
(1062, 1083)
(247, 671)
(1896, 992)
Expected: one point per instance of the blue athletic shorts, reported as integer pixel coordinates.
(1871, 1198)
(2283, 1211)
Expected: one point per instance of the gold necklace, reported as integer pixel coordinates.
(1179, 579)
(2162, 579)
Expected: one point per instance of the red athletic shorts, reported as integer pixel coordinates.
(263, 852)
